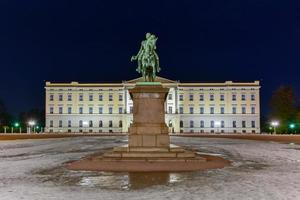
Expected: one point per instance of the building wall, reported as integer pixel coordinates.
(83, 105)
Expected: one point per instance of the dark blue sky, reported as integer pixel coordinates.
(92, 41)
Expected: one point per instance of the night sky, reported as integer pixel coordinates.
(92, 41)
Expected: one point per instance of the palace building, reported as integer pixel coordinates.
(227, 107)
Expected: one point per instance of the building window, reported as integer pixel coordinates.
(90, 97)
(120, 124)
(120, 110)
(170, 110)
(181, 123)
(201, 97)
(51, 110)
(100, 123)
(233, 110)
(60, 123)
(191, 110)
(180, 97)
(51, 123)
(51, 97)
(69, 97)
(100, 110)
(191, 97)
(212, 124)
(90, 110)
(252, 97)
(80, 97)
(90, 123)
(222, 124)
(110, 97)
(69, 110)
(181, 110)
(244, 124)
(131, 109)
(201, 124)
(212, 110)
(243, 110)
(110, 123)
(80, 123)
(201, 110)
(234, 97)
(211, 97)
(252, 110)
(120, 97)
(222, 97)
(243, 97)
(222, 110)
(234, 124)
(253, 124)
(191, 124)
(69, 123)
(60, 110)
(60, 97)
(110, 110)
(80, 110)
(100, 97)
(170, 96)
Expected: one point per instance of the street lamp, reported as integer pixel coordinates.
(16, 125)
(292, 127)
(275, 124)
(31, 123)
(218, 125)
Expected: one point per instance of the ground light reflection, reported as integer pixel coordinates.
(133, 180)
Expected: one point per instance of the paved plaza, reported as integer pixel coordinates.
(33, 170)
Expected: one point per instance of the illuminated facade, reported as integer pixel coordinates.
(227, 107)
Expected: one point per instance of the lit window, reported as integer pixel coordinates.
(222, 97)
(234, 97)
(191, 110)
(243, 110)
(201, 110)
(80, 97)
(181, 110)
(233, 110)
(201, 97)
(243, 97)
(252, 110)
(100, 97)
(51, 110)
(222, 110)
(244, 124)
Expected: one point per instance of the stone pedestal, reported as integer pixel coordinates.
(148, 128)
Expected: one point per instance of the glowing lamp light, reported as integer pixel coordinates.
(16, 124)
(275, 123)
(292, 126)
(31, 123)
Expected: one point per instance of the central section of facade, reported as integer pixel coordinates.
(224, 107)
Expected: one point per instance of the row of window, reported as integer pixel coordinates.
(212, 110)
(213, 131)
(90, 110)
(212, 97)
(81, 97)
(216, 124)
(81, 123)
